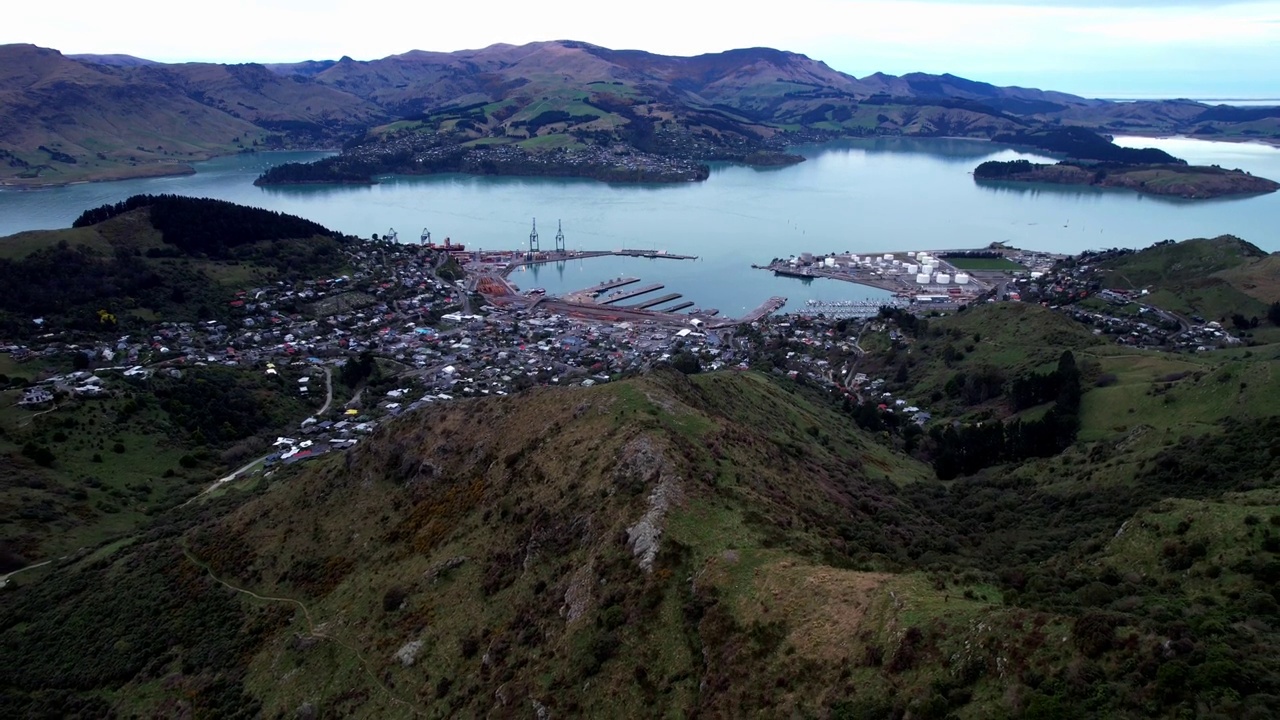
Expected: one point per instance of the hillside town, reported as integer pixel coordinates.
(409, 309)
(402, 305)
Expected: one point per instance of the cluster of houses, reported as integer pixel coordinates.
(1121, 314)
(817, 350)
(79, 384)
(394, 306)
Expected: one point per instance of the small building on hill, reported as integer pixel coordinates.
(34, 397)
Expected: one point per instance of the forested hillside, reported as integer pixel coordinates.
(170, 257)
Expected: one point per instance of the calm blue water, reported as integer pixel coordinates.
(862, 196)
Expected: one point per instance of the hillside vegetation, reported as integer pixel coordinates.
(153, 256)
(100, 468)
(67, 120)
(1193, 182)
(75, 118)
(1214, 277)
(650, 546)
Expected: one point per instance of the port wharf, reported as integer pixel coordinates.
(489, 277)
(523, 259)
(906, 275)
(849, 309)
(628, 294)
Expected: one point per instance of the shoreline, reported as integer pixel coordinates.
(1234, 140)
(155, 170)
(161, 170)
(181, 170)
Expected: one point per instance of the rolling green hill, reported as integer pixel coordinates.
(67, 120)
(1215, 277)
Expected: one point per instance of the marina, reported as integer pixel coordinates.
(852, 309)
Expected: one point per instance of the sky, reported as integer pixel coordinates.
(1098, 48)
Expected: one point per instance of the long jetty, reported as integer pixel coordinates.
(632, 293)
(680, 306)
(769, 306)
(609, 285)
(657, 301)
(654, 254)
(521, 258)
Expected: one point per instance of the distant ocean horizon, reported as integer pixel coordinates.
(1224, 99)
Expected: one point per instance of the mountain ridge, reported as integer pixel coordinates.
(75, 117)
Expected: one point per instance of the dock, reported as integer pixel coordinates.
(787, 272)
(607, 286)
(655, 301)
(520, 258)
(851, 309)
(655, 254)
(680, 306)
(632, 293)
(769, 306)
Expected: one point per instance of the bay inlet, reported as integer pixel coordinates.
(860, 196)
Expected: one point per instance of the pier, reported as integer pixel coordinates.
(540, 257)
(892, 283)
(656, 301)
(607, 285)
(769, 306)
(680, 306)
(632, 293)
(655, 254)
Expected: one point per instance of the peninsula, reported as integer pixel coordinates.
(1193, 182)
(1092, 159)
(608, 164)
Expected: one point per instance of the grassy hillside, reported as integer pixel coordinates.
(68, 120)
(1214, 277)
(650, 547)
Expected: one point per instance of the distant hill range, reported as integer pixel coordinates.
(65, 118)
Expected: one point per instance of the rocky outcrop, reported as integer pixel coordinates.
(642, 463)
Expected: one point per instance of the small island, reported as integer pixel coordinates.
(1192, 182)
(1095, 160)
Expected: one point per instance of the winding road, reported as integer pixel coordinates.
(4, 579)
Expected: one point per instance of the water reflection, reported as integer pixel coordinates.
(1081, 192)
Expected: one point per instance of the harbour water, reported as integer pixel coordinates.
(862, 196)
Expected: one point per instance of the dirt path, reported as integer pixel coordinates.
(328, 392)
(311, 628)
(4, 579)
